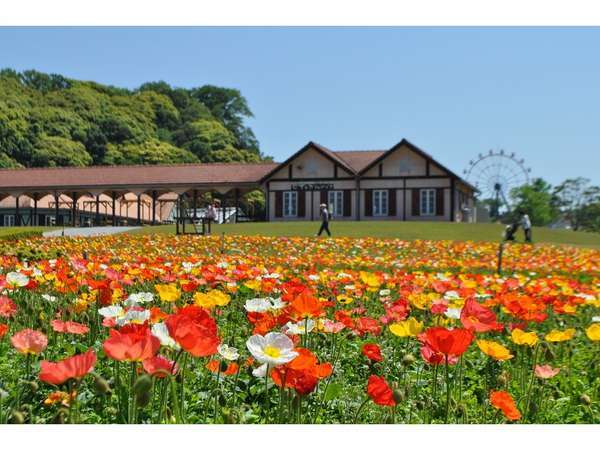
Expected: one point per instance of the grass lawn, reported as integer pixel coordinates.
(10, 231)
(401, 230)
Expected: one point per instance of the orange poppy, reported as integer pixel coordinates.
(195, 330)
(379, 391)
(215, 366)
(302, 373)
(478, 318)
(503, 401)
(306, 305)
(75, 367)
(3, 330)
(7, 307)
(132, 342)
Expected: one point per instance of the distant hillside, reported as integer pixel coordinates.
(51, 120)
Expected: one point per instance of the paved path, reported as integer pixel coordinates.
(88, 231)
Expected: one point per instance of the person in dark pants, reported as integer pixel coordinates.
(324, 220)
(526, 224)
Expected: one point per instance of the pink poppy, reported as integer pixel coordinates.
(546, 371)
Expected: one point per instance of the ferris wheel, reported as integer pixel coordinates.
(495, 174)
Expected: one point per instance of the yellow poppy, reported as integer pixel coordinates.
(521, 337)
(406, 328)
(494, 350)
(559, 336)
(168, 292)
(593, 332)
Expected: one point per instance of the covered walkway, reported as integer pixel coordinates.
(120, 195)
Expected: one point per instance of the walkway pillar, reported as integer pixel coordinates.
(56, 209)
(114, 216)
(195, 203)
(35, 220)
(153, 207)
(74, 210)
(139, 209)
(98, 210)
(17, 212)
(237, 205)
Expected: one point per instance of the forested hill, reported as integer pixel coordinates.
(51, 120)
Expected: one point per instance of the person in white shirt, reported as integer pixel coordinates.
(211, 214)
(526, 224)
(324, 220)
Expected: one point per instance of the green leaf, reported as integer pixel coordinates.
(333, 391)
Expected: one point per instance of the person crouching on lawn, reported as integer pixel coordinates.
(324, 220)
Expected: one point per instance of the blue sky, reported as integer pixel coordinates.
(455, 92)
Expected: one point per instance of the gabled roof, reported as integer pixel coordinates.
(418, 151)
(329, 154)
(359, 159)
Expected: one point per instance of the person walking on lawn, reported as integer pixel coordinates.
(324, 220)
(526, 224)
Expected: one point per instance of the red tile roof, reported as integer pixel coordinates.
(359, 159)
(114, 176)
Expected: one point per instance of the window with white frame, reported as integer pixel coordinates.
(336, 203)
(380, 203)
(9, 220)
(290, 204)
(427, 202)
(49, 221)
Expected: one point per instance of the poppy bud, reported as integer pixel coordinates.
(111, 411)
(502, 379)
(101, 385)
(33, 386)
(408, 360)
(399, 395)
(142, 385)
(585, 399)
(462, 411)
(222, 366)
(142, 399)
(17, 417)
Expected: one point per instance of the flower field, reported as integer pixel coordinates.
(163, 329)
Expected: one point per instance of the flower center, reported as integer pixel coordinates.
(271, 351)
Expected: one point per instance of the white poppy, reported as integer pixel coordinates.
(257, 305)
(16, 279)
(272, 349)
(133, 316)
(596, 319)
(313, 277)
(111, 312)
(299, 327)
(139, 297)
(451, 295)
(261, 371)
(453, 313)
(49, 298)
(160, 331)
(277, 303)
(227, 352)
(222, 265)
(384, 292)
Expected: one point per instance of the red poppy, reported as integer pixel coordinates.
(396, 312)
(215, 366)
(76, 367)
(503, 401)
(29, 341)
(305, 305)
(434, 358)
(379, 391)
(3, 330)
(302, 373)
(159, 366)
(344, 317)
(372, 351)
(449, 342)
(132, 342)
(478, 318)
(7, 307)
(195, 330)
(365, 325)
(69, 327)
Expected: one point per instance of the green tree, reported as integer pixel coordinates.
(573, 196)
(148, 152)
(230, 108)
(536, 200)
(54, 151)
